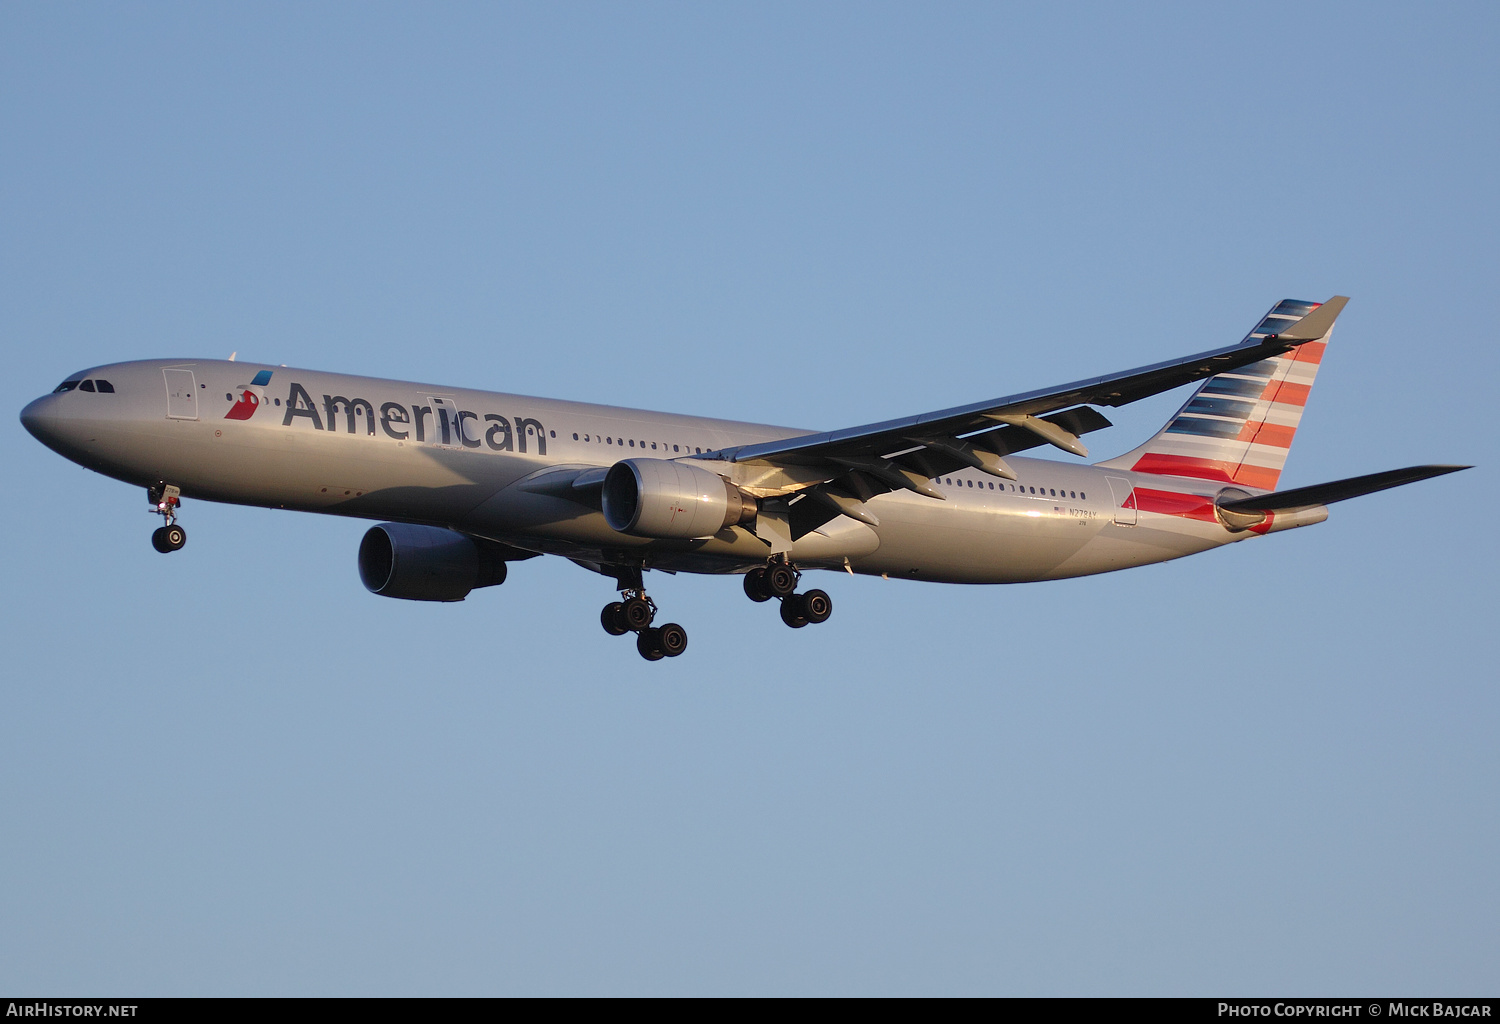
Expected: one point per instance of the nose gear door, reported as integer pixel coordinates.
(182, 394)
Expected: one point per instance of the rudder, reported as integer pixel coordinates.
(1238, 426)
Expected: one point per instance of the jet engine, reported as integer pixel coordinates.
(666, 499)
(426, 563)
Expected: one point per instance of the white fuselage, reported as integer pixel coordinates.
(461, 458)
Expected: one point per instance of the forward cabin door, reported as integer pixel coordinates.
(1124, 495)
(182, 394)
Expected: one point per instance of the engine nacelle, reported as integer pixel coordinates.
(426, 563)
(662, 498)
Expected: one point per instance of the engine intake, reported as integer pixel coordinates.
(666, 499)
(426, 563)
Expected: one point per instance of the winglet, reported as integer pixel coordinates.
(1318, 323)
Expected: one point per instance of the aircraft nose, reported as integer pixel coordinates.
(44, 420)
(40, 418)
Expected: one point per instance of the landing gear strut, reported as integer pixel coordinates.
(779, 579)
(634, 614)
(165, 500)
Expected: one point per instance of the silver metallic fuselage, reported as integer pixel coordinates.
(364, 447)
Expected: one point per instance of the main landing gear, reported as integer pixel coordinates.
(779, 580)
(635, 614)
(165, 500)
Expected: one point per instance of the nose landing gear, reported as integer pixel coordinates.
(780, 580)
(168, 539)
(635, 614)
(165, 500)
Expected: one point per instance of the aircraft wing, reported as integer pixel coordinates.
(1000, 426)
(842, 469)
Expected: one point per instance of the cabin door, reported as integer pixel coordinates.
(1124, 497)
(445, 430)
(182, 394)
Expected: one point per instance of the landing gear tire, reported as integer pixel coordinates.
(637, 614)
(671, 639)
(649, 644)
(817, 606)
(755, 586)
(167, 539)
(781, 580)
(792, 611)
(612, 618)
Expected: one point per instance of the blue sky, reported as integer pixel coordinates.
(1270, 768)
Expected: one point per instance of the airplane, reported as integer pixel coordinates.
(467, 481)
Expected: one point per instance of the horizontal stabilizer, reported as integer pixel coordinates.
(1325, 494)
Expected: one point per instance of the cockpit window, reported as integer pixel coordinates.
(87, 385)
(105, 387)
(67, 385)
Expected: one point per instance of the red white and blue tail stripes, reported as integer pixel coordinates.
(1238, 426)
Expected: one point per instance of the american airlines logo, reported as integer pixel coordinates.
(252, 396)
(436, 423)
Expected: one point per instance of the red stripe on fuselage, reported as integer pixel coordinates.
(1174, 503)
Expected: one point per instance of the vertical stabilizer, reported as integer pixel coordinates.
(1238, 426)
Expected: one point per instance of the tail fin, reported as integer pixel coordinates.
(1238, 426)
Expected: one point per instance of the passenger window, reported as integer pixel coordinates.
(1072, 495)
(105, 387)
(674, 447)
(969, 482)
(67, 385)
(575, 437)
(1033, 490)
(992, 486)
(1083, 496)
(632, 442)
(698, 451)
(1054, 494)
(609, 440)
(653, 446)
(228, 397)
(554, 434)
